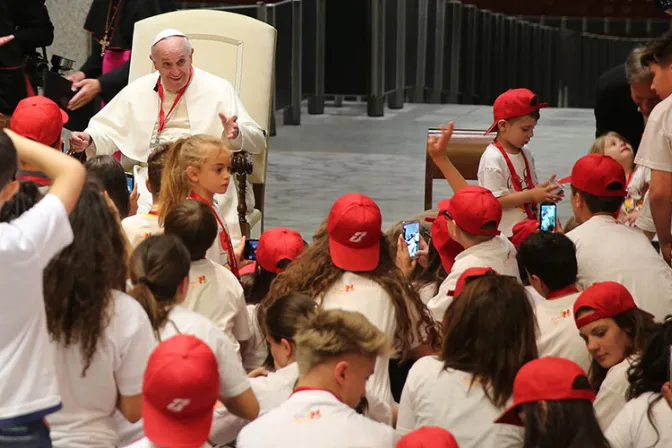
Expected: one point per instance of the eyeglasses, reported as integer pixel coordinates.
(447, 215)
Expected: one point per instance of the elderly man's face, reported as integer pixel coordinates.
(662, 79)
(173, 61)
(644, 97)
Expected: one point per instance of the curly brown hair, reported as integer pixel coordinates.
(313, 273)
(78, 282)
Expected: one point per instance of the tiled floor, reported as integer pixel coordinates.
(344, 150)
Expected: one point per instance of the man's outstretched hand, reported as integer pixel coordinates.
(230, 126)
(5, 39)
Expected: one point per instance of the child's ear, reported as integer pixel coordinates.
(502, 125)
(192, 173)
(9, 190)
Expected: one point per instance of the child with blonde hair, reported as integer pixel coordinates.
(616, 146)
(199, 167)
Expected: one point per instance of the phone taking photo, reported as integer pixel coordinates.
(130, 181)
(548, 214)
(411, 230)
(250, 252)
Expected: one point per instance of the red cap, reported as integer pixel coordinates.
(523, 230)
(547, 378)
(38, 118)
(180, 390)
(428, 437)
(608, 299)
(466, 275)
(514, 103)
(276, 245)
(354, 226)
(594, 173)
(473, 207)
(447, 248)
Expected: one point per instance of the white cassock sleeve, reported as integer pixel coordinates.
(251, 137)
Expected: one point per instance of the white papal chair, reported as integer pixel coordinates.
(234, 47)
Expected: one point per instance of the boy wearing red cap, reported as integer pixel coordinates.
(607, 250)
(507, 166)
(40, 119)
(469, 219)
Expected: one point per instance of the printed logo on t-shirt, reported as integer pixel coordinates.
(522, 180)
(178, 404)
(311, 415)
(565, 314)
(349, 288)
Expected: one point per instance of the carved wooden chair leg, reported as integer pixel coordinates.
(242, 166)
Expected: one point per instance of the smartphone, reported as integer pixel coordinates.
(411, 231)
(130, 181)
(548, 214)
(250, 252)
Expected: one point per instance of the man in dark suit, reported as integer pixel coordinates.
(625, 99)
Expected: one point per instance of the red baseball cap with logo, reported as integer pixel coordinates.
(38, 118)
(514, 103)
(522, 231)
(472, 208)
(276, 245)
(428, 437)
(547, 378)
(180, 390)
(467, 275)
(598, 175)
(447, 248)
(354, 227)
(608, 299)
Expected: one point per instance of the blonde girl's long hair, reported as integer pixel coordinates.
(598, 145)
(188, 151)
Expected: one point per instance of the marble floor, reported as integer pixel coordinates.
(344, 150)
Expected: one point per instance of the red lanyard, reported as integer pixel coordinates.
(627, 184)
(224, 239)
(562, 292)
(38, 180)
(162, 114)
(153, 212)
(530, 208)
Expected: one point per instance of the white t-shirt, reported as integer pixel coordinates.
(637, 189)
(655, 149)
(217, 251)
(533, 296)
(117, 368)
(632, 428)
(145, 443)
(233, 380)
(558, 335)
(609, 251)
(271, 391)
(141, 226)
(353, 292)
(497, 253)
(216, 293)
(256, 350)
(427, 291)
(315, 418)
(434, 396)
(610, 398)
(27, 244)
(494, 174)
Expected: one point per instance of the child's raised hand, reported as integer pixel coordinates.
(436, 146)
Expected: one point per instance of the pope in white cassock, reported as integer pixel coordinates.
(177, 101)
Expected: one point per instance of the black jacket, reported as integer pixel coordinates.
(614, 108)
(129, 12)
(28, 21)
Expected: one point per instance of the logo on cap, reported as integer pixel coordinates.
(178, 404)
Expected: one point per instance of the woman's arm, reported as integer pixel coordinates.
(130, 407)
(244, 405)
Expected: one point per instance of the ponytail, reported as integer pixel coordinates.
(158, 266)
(191, 151)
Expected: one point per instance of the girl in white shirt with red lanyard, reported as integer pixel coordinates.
(645, 419)
(615, 331)
(489, 334)
(102, 336)
(198, 167)
(507, 166)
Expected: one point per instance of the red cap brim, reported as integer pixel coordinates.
(510, 417)
(64, 116)
(354, 260)
(565, 180)
(162, 430)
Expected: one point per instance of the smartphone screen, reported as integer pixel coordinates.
(130, 181)
(250, 252)
(549, 217)
(412, 237)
